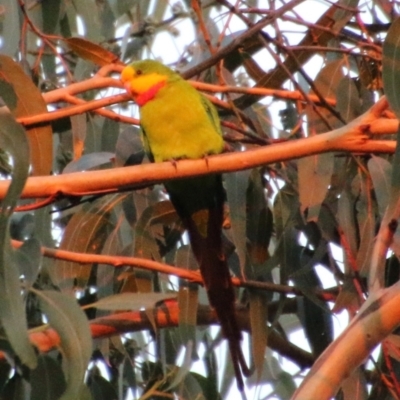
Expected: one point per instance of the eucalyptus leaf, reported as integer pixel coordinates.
(47, 379)
(24, 99)
(70, 322)
(381, 172)
(29, 258)
(89, 162)
(318, 169)
(12, 311)
(132, 301)
(258, 320)
(91, 51)
(391, 66)
(10, 25)
(236, 184)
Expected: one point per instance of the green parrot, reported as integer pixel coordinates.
(178, 122)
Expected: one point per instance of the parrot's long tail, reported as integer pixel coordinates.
(202, 214)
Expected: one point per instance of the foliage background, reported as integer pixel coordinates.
(95, 268)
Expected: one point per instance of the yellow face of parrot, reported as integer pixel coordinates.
(142, 85)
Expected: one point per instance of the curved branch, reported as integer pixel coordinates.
(375, 321)
(150, 265)
(353, 137)
(166, 316)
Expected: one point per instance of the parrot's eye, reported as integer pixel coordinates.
(139, 72)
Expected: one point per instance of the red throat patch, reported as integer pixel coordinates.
(148, 95)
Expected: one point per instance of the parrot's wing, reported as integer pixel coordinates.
(212, 114)
(146, 145)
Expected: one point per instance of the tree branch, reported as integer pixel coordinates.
(354, 137)
(167, 316)
(375, 321)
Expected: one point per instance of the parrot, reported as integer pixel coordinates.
(177, 122)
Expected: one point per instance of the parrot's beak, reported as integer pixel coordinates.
(128, 88)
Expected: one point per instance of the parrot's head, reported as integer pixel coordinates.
(143, 79)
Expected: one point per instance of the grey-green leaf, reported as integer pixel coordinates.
(391, 66)
(132, 301)
(70, 322)
(12, 309)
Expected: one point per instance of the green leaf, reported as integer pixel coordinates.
(47, 379)
(91, 51)
(132, 301)
(70, 322)
(29, 258)
(366, 218)
(349, 105)
(259, 333)
(326, 82)
(86, 232)
(88, 12)
(51, 15)
(315, 173)
(188, 298)
(10, 25)
(162, 213)
(347, 222)
(101, 388)
(236, 184)
(259, 223)
(381, 172)
(12, 309)
(24, 99)
(88, 162)
(391, 66)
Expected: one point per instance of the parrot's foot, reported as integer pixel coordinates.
(174, 162)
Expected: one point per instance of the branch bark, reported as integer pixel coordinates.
(167, 316)
(375, 321)
(354, 137)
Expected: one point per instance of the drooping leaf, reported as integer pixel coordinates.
(349, 105)
(259, 221)
(145, 242)
(15, 389)
(259, 333)
(381, 171)
(366, 218)
(188, 298)
(12, 311)
(51, 15)
(129, 147)
(326, 83)
(47, 379)
(28, 258)
(24, 99)
(101, 388)
(90, 162)
(10, 25)
(391, 66)
(315, 173)
(70, 322)
(86, 231)
(109, 135)
(347, 222)
(91, 51)
(132, 301)
(236, 186)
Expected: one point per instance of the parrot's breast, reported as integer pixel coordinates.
(177, 125)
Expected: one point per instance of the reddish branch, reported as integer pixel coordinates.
(150, 265)
(354, 137)
(167, 316)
